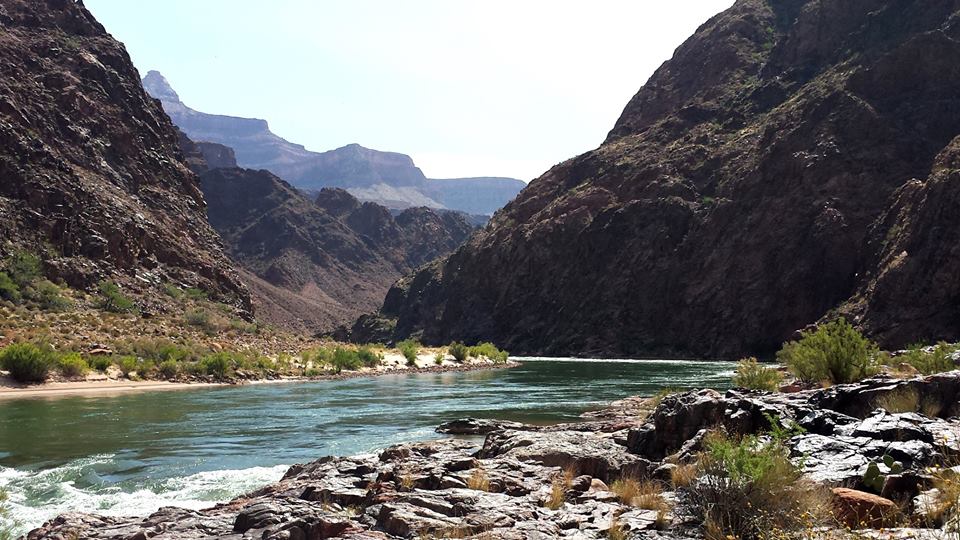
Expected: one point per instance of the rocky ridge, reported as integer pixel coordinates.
(91, 177)
(387, 178)
(431, 489)
(792, 162)
(313, 265)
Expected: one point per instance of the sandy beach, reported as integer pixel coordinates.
(101, 385)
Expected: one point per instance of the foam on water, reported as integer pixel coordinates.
(37, 496)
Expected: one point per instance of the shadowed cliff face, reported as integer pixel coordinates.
(737, 199)
(90, 173)
(313, 265)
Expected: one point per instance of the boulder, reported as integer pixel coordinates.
(859, 510)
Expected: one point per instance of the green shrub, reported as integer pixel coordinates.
(217, 364)
(195, 294)
(835, 352)
(459, 351)
(48, 296)
(9, 290)
(367, 357)
(173, 291)
(26, 362)
(127, 365)
(490, 351)
(200, 318)
(345, 359)
(936, 360)
(111, 299)
(23, 268)
(321, 356)
(409, 348)
(748, 488)
(169, 369)
(100, 363)
(438, 358)
(72, 365)
(753, 375)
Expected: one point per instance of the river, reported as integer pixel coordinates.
(130, 454)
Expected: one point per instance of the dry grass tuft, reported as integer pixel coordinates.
(479, 480)
(900, 401)
(558, 494)
(683, 475)
(644, 494)
(616, 531)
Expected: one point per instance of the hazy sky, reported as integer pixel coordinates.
(468, 88)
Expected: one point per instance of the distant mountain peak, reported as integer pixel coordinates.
(159, 87)
(388, 178)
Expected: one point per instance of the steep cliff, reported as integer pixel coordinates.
(744, 193)
(313, 265)
(91, 177)
(387, 178)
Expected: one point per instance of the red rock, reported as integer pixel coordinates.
(859, 509)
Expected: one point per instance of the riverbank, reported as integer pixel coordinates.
(632, 470)
(102, 385)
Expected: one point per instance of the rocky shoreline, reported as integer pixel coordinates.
(507, 484)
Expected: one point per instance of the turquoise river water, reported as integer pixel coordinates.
(130, 454)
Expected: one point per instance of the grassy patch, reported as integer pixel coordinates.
(753, 375)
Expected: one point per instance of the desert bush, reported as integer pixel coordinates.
(173, 291)
(929, 361)
(9, 290)
(100, 363)
(169, 369)
(368, 357)
(23, 268)
(27, 362)
(748, 488)
(218, 364)
(112, 300)
(160, 350)
(490, 351)
(195, 294)
(753, 375)
(345, 359)
(72, 365)
(200, 318)
(459, 351)
(127, 364)
(409, 349)
(47, 296)
(835, 352)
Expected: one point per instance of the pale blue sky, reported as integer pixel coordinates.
(468, 88)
